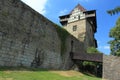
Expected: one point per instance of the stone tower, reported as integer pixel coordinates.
(81, 24)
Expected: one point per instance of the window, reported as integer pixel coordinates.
(74, 17)
(79, 17)
(74, 27)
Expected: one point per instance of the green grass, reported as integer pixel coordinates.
(23, 74)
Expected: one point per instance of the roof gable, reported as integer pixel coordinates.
(79, 7)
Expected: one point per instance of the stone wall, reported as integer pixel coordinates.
(89, 38)
(111, 68)
(29, 39)
(84, 32)
(81, 29)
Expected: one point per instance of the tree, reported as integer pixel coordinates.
(115, 42)
(114, 11)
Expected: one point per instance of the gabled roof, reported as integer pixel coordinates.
(79, 7)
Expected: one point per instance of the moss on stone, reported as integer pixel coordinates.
(63, 34)
(5, 13)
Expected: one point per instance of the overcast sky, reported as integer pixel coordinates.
(52, 9)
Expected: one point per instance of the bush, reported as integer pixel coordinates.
(92, 50)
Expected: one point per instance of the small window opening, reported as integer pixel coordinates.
(75, 28)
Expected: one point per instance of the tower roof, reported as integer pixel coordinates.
(79, 7)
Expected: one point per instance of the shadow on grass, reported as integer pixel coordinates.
(91, 74)
(21, 69)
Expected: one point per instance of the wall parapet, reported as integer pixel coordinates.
(27, 38)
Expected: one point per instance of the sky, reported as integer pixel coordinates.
(52, 9)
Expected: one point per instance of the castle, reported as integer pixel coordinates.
(81, 24)
(29, 39)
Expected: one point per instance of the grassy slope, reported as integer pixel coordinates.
(43, 75)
